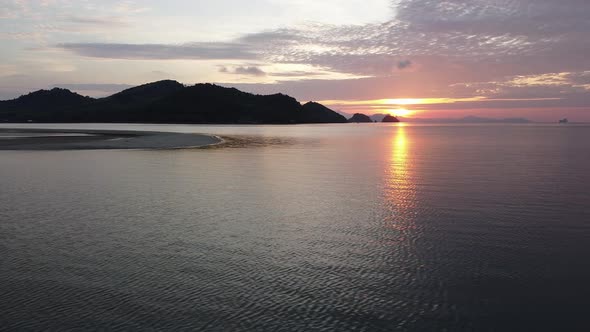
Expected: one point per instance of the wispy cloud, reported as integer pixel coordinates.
(502, 32)
(195, 51)
(254, 71)
(45, 17)
(298, 73)
(102, 21)
(243, 70)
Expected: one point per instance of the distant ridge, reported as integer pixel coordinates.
(360, 118)
(49, 99)
(318, 113)
(390, 118)
(467, 119)
(363, 118)
(165, 102)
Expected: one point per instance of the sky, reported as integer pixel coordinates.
(415, 58)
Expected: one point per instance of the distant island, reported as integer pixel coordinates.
(380, 117)
(390, 118)
(165, 102)
(467, 120)
(360, 118)
(363, 118)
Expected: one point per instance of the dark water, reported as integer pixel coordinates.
(334, 228)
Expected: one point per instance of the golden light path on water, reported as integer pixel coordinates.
(400, 187)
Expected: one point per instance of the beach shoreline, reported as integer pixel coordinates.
(70, 139)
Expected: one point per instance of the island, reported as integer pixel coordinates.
(390, 118)
(360, 118)
(165, 102)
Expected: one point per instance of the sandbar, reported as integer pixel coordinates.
(57, 139)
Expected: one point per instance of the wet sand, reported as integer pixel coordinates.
(48, 139)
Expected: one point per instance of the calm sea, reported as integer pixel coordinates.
(307, 228)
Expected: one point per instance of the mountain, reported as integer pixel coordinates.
(359, 117)
(166, 102)
(51, 101)
(55, 97)
(209, 103)
(144, 94)
(390, 118)
(318, 113)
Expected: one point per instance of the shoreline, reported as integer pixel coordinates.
(50, 139)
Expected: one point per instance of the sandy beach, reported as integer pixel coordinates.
(49, 139)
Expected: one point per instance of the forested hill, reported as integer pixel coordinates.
(165, 102)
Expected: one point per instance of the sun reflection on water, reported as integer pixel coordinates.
(400, 190)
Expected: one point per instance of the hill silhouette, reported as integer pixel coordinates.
(166, 102)
(318, 113)
(390, 118)
(52, 101)
(359, 117)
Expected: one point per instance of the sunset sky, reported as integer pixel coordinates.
(422, 58)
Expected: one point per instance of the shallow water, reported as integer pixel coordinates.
(10, 135)
(312, 227)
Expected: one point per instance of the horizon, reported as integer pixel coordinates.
(412, 58)
(407, 116)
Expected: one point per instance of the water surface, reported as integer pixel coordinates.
(310, 227)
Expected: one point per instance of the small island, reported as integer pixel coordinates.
(390, 118)
(363, 118)
(360, 118)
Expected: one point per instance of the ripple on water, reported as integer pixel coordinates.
(372, 228)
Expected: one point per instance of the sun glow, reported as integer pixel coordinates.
(401, 112)
(401, 101)
(404, 107)
(425, 101)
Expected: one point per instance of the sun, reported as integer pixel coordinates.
(401, 112)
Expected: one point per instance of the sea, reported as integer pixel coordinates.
(340, 227)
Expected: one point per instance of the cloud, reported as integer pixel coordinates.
(130, 7)
(110, 22)
(253, 71)
(243, 70)
(297, 73)
(404, 64)
(20, 35)
(195, 51)
(13, 9)
(160, 73)
(282, 36)
(44, 20)
(540, 33)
